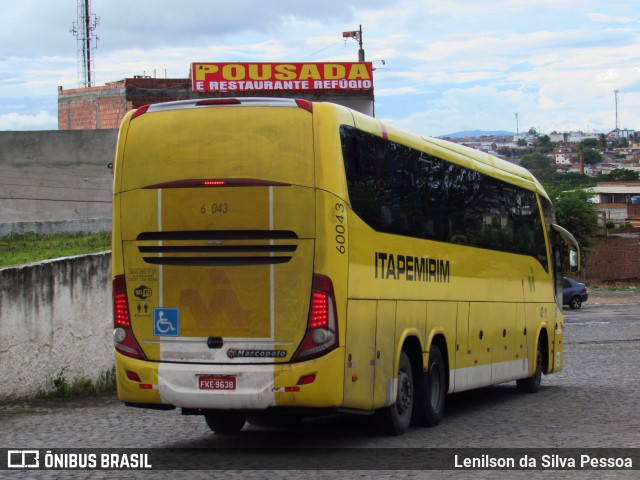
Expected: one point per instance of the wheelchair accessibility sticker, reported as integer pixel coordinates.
(166, 322)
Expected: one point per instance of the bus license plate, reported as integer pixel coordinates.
(216, 382)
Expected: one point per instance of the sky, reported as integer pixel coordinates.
(441, 66)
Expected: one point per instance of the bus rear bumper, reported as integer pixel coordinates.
(315, 383)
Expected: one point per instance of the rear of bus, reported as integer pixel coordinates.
(223, 299)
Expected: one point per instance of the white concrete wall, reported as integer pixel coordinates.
(56, 175)
(54, 315)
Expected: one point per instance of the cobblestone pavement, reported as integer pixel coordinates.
(593, 403)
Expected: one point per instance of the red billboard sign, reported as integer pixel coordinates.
(245, 77)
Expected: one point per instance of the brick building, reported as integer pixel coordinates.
(613, 258)
(96, 108)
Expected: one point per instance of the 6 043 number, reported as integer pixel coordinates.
(340, 228)
(214, 208)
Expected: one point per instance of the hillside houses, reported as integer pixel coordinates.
(619, 201)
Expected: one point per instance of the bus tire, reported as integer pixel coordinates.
(435, 388)
(395, 419)
(532, 383)
(225, 422)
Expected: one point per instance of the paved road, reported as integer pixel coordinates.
(593, 403)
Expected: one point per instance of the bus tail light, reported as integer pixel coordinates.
(218, 101)
(123, 338)
(140, 111)
(322, 324)
(304, 104)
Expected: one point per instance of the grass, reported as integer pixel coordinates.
(81, 387)
(21, 248)
(615, 287)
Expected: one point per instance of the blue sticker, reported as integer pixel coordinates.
(166, 322)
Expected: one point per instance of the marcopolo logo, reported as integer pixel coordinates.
(242, 353)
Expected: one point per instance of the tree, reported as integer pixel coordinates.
(620, 175)
(577, 214)
(589, 143)
(603, 141)
(544, 143)
(535, 162)
(591, 156)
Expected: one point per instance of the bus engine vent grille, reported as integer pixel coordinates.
(217, 247)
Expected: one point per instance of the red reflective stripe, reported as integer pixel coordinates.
(304, 104)
(140, 111)
(385, 134)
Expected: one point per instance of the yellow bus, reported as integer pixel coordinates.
(281, 258)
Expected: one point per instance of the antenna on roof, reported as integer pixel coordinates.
(87, 41)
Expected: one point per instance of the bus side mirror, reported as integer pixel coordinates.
(573, 260)
(573, 246)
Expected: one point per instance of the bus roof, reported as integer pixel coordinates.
(462, 155)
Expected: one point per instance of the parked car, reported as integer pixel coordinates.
(574, 293)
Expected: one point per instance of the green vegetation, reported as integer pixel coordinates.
(615, 287)
(81, 387)
(619, 175)
(575, 213)
(27, 411)
(20, 248)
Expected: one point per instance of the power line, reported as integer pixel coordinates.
(322, 50)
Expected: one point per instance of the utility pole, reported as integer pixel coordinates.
(615, 92)
(356, 35)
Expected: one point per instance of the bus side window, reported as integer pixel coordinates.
(350, 153)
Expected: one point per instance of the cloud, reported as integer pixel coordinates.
(604, 18)
(450, 66)
(39, 121)
(162, 23)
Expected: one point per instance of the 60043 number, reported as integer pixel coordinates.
(340, 228)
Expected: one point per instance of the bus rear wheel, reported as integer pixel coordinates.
(532, 384)
(435, 388)
(225, 422)
(395, 419)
